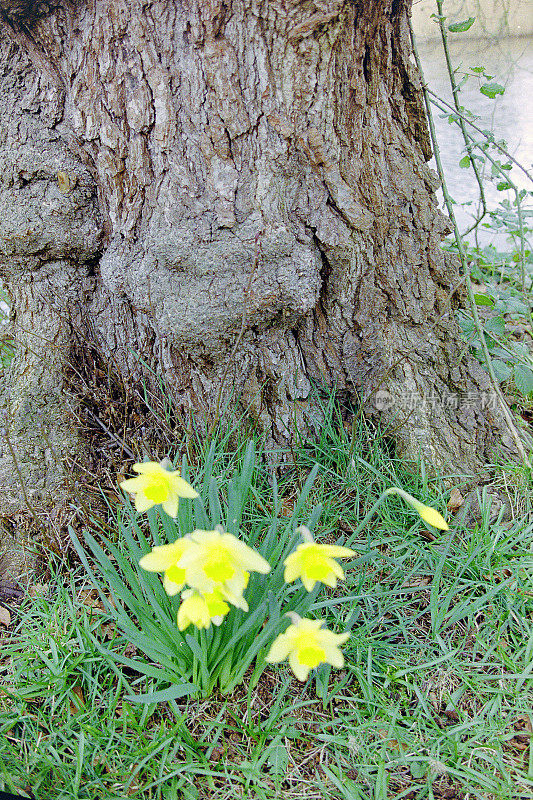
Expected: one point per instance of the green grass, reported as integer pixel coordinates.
(434, 700)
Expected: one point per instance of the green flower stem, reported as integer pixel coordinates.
(368, 517)
(427, 513)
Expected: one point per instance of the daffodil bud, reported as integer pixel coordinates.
(428, 514)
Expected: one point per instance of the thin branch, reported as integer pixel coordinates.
(464, 261)
(467, 121)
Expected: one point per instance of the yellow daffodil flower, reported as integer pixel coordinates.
(221, 561)
(428, 514)
(157, 485)
(307, 644)
(314, 562)
(201, 610)
(164, 558)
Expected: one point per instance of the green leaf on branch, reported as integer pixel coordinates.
(464, 162)
(501, 370)
(495, 325)
(523, 378)
(491, 89)
(460, 27)
(483, 300)
(503, 185)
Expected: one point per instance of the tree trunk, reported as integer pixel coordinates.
(231, 198)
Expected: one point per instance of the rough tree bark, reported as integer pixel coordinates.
(226, 194)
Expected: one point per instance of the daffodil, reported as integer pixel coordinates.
(314, 562)
(428, 514)
(307, 644)
(201, 609)
(221, 561)
(157, 485)
(165, 558)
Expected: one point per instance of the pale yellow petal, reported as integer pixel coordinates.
(205, 537)
(335, 551)
(238, 583)
(193, 609)
(148, 468)
(334, 656)
(143, 503)
(161, 558)
(279, 649)
(248, 558)
(428, 514)
(236, 600)
(301, 671)
(308, 582)
(197, 579)
(432, 517)
(171, 505)
(330, 639)
(170, 587)
(336, 568)
(329, 580)
(132, 485)
(306, 624)
(293, 568)
(181, 487)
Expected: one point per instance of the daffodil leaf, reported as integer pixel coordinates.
(172, 693)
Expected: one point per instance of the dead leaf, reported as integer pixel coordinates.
(38, 590)
(77, 703)
(417, 581)
(130, 651)
(5, 616)
(108, 630)
(427, 535)
(217, 753)
(392, 743)
(499, 576)
(91, 598)
(286, 507)
(456, 500)
(65, 182)
(451, 713)
(525, 722)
